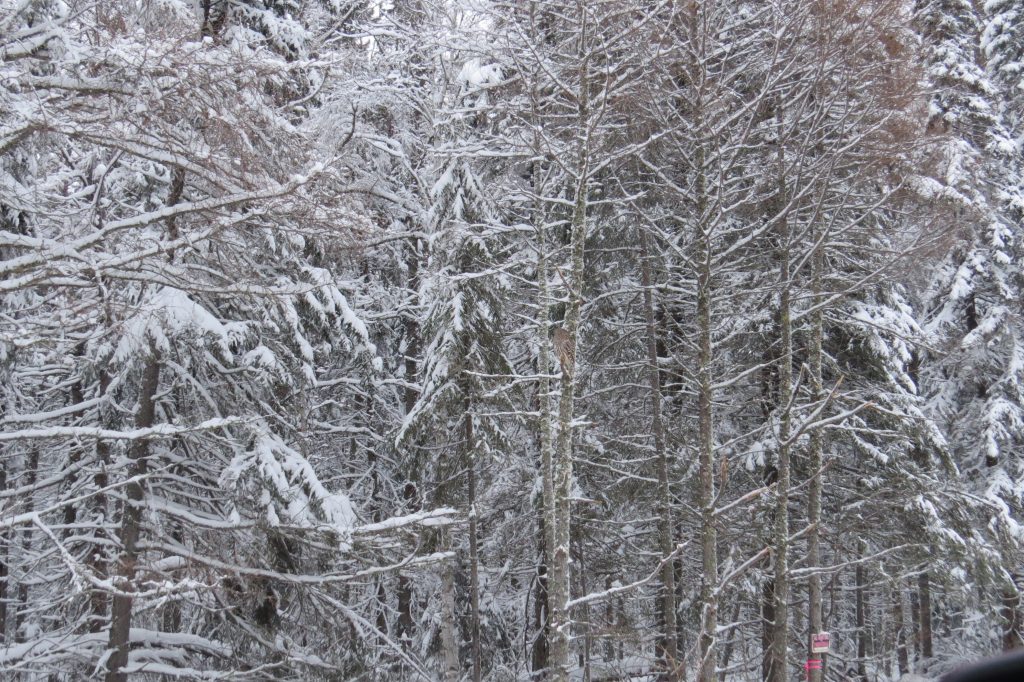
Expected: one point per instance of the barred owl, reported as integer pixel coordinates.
(565, 349)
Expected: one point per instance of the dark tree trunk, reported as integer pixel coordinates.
(541, 614)
(730, 644)
(915, 615)
(925, 598)
(769, 673)
(31, 474)
(131, 522)
(862, 629)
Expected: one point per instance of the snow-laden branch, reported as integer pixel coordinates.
(819, 570)
(45, 249)
(149, 433)
(433, 517)
(612, 591)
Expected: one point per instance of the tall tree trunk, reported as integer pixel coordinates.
(406, 626)
(119, 640)
(707, 657)
(780, 638)
(541, 654)
(131, 522)
(706, 459)
(559, 585)
(814, 457)
(667, 604)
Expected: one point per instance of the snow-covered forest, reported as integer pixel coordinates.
(510, 340)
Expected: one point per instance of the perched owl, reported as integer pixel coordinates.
(565, 349)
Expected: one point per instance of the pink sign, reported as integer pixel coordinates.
(820, 642)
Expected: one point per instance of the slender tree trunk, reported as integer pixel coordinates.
(667, 643)
(780, 639)
(915, 616)
(730, 644)
(76, 397)
(131, 522)
(376, 515)
(583, 623)
(609, 623)
(899, 630)
(5, 571)
(96, 559)
(474, 553)
(406, 627)
(814, 456)
(31, 475)
(768, 670)
(861, 615)
(541, 613)
(706, 459)
(925, 598)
